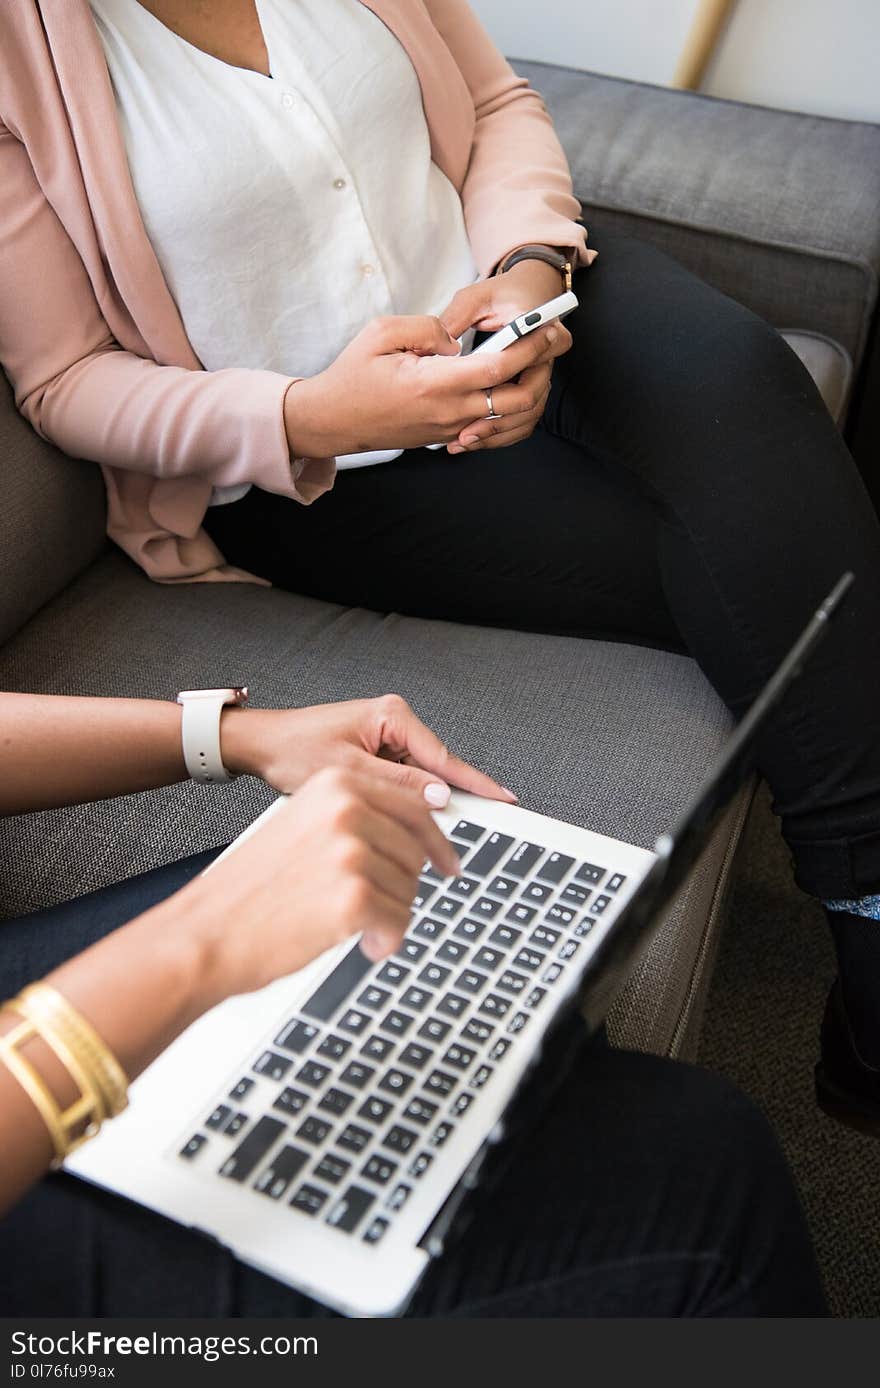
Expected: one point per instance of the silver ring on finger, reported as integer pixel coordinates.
(492, 414)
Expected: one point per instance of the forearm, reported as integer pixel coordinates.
(139, 988)
(63, 751)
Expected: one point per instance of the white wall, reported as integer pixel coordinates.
(807, 55)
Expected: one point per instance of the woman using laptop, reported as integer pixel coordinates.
(240, 242)
(647, 1187)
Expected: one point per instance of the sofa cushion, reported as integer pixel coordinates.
(601, 734)
(780, 210)
(52, 523)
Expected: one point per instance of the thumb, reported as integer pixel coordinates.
(417, 333)
(466, 308)
(434, 791)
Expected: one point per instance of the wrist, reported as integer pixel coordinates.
(307, 420)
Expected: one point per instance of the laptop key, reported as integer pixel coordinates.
(517, 1022)
(524, 859)
(336, 1101)
(412, 950)
(555, 868)
(435, 975)
(569, 949)
(579, 896)
(193, 1147)
(487, 958)
(435, 1030)
(333, 1047)
(441, 1082)
(461, 1057)
(615, 882)
(494, 1005)
(357, 1074)
(583, 927)
(424, 892)
(599, 905)
(419, 1165)
(477, 1030)
(505, 936)
(536, 997)
(552, 973)
(354, 1021)
(441, 1134)
(379, 1169)
(452, 1004)
(489, 854)
(309, 1199)
(416, 1056)
(235, 1124)
(485, 908)
(471, 981)
(561, 915)
(417, 999)
(392, 973)
(521, 914)
(400, 1139)
(462, 1104)
(329, 996)
(354, 1139)
(452, 952)
(396, 1023)
(503, 886)
(313, 1074)
(297, 1036)
(219, 1117)
(545, 937)
(375, 1230)
(350, 1209)
(314, 1130)
(332, 1168)
(291, 1100)
(482, 1076)
(536, 893)
(377, 1047)
(512, 982)
(395, 1081)
(469, 930)
(273, 1066)
(499, 1050)
(242, 1089)
(472, 833)
(464, 886)
(530, 959)
(429, 929)
(373, 997)
(284, 1168)
(399, 1196)
(375, 1110)
(419, 1110)
(589, 873)
(252, 1149)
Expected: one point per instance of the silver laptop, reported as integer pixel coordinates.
(328, 1128)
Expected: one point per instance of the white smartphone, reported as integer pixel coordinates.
(525, 323)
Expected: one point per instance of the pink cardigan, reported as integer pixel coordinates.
(90, 336)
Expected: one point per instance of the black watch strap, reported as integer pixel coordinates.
(549, 256)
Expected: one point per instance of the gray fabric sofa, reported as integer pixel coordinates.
(780, 210)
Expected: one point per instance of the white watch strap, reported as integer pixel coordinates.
(200, 734)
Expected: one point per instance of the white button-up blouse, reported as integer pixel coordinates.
(285, 211)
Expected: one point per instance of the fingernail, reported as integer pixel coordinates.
(470, 438)
(437, 794)
(456, 448)
(510, 793)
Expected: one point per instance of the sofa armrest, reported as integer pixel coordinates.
(778, 209)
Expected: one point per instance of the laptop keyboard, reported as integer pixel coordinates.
(372, 1074)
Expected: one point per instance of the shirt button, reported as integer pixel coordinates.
(287, 100)
(339, 183)
(368, 270)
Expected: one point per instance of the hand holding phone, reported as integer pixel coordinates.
(522, 325)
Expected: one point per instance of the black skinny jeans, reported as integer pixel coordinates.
(646, 1188)
(687, 487)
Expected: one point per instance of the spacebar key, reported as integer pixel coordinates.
(337, 986)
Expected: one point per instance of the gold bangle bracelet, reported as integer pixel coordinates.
(57, 1017)
(87, 1108)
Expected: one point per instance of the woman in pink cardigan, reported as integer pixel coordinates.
(239, 250)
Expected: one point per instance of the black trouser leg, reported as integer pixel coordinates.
(688, 486)
(646, 1188)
